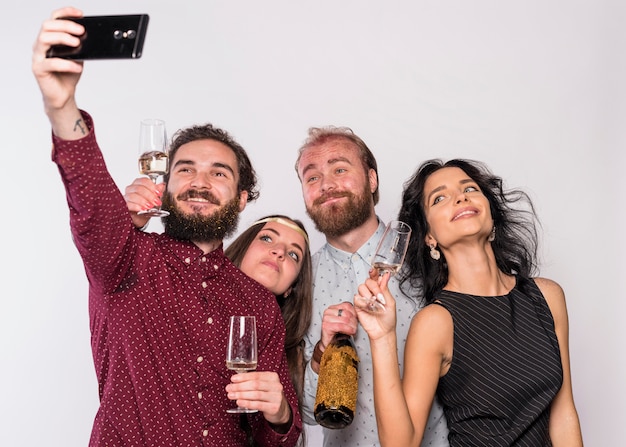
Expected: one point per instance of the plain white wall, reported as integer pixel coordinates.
(534, 88)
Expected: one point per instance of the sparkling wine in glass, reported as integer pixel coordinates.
(153, 158)
(390, 252)
(241, 355)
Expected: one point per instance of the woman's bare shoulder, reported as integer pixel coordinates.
(432, 316)
(554, 295)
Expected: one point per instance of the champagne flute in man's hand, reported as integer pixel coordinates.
(241, 355)
(153, 157)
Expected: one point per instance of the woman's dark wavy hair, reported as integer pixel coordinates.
(247, 174)
(296, 308)
(516, 237)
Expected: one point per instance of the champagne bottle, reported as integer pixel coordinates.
(337, 383)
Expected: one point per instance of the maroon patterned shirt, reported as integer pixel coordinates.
(159, 311)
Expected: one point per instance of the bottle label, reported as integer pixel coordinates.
(337, 384)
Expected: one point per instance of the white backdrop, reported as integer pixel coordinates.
(533, 88)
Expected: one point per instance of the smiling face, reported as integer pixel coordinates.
(203, 177)
(202, 192)
(275, 256)
(455, 208)
(336, 187)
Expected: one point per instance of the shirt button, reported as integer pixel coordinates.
(204, 285)
(187, 261)
(210, 320)
(205, 433)
(199, 359)
(203, 258)
(200, 395)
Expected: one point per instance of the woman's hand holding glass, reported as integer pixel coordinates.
(241, 355)
(255, 390)
(140, 195)
(389, 254)
(262, 391)
(374, 290)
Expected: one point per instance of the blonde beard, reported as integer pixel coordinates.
(338, 220)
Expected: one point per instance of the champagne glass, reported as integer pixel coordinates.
(241, 355)
(153, 158)
(390, 253)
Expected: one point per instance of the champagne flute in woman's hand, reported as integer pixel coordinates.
(153, 157)
(390, 253)
(241, 355)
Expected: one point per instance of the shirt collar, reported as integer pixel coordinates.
(188, 252)
(365, 251)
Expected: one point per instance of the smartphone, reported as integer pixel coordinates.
(107, 37)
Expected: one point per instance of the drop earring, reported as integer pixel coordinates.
(434, 253)
(492, 235)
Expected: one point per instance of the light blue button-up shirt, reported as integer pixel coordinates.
(336, 277)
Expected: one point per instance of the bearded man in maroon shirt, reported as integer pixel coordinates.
(159, 304)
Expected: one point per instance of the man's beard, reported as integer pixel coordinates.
(199, 228)
(336, 220)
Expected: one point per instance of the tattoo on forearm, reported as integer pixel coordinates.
(78, 126)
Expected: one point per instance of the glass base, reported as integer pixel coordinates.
(376, 306)
(373, 305)
(241, 410)
(154, 212)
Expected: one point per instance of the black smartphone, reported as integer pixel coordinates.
(107, 37)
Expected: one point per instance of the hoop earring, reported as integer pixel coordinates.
(434, 253)
(492, 235)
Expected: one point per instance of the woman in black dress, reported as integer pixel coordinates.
(492, 342)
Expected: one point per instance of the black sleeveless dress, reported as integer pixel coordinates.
(505, 371)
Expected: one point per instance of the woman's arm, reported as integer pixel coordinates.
(402, 406)
(564, 423)
(427, 357)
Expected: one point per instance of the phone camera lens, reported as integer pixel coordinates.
(117, 34)
(131, 34)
